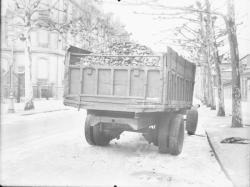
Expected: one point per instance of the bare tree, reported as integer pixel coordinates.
(217, 62)
(95, 29)
(234, 54)
(194, 37)
(30, 15)
(24, 11)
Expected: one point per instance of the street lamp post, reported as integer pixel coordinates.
(11, 108)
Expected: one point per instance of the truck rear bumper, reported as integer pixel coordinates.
(137, 108)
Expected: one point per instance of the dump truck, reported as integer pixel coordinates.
(148, 94)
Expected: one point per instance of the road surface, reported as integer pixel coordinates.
(50, 149)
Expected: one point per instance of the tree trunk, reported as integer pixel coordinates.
(205, 85)
(211, 90)
(207, 77)
(28, 75)
(209, 55)
(234, 53)
(220, 89)
(209, 81)
(208, 88)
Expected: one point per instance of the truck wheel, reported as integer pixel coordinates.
(191, 122)
(163, 133)
(100, 138)
(89, 130)
(176, 135)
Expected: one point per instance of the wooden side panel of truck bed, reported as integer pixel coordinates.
(130, 88)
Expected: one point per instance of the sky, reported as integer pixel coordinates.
(158, 34)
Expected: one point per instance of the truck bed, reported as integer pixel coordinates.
(158, 88)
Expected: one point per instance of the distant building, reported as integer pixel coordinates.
(226, 72)
(47, 61)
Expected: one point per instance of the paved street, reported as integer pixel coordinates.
(50, 149)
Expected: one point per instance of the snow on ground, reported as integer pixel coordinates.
(50, 149)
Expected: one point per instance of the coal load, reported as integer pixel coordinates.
(129, 48)
(132, 54)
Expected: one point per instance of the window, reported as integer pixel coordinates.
(43, 69)
(43, 38)
(54, 40)
(33, 36)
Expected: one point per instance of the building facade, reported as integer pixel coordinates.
(84, 26)
(47, 62)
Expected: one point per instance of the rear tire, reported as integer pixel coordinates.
(192, 120)
(100, 138)
(163, 133)
(176, 135)
(89, 129)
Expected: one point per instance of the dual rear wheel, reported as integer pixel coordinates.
(168, 134)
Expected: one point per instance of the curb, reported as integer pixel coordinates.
(47, 111)
(218, 159)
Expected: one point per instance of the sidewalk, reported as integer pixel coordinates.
(41, 106)
(233, 158)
